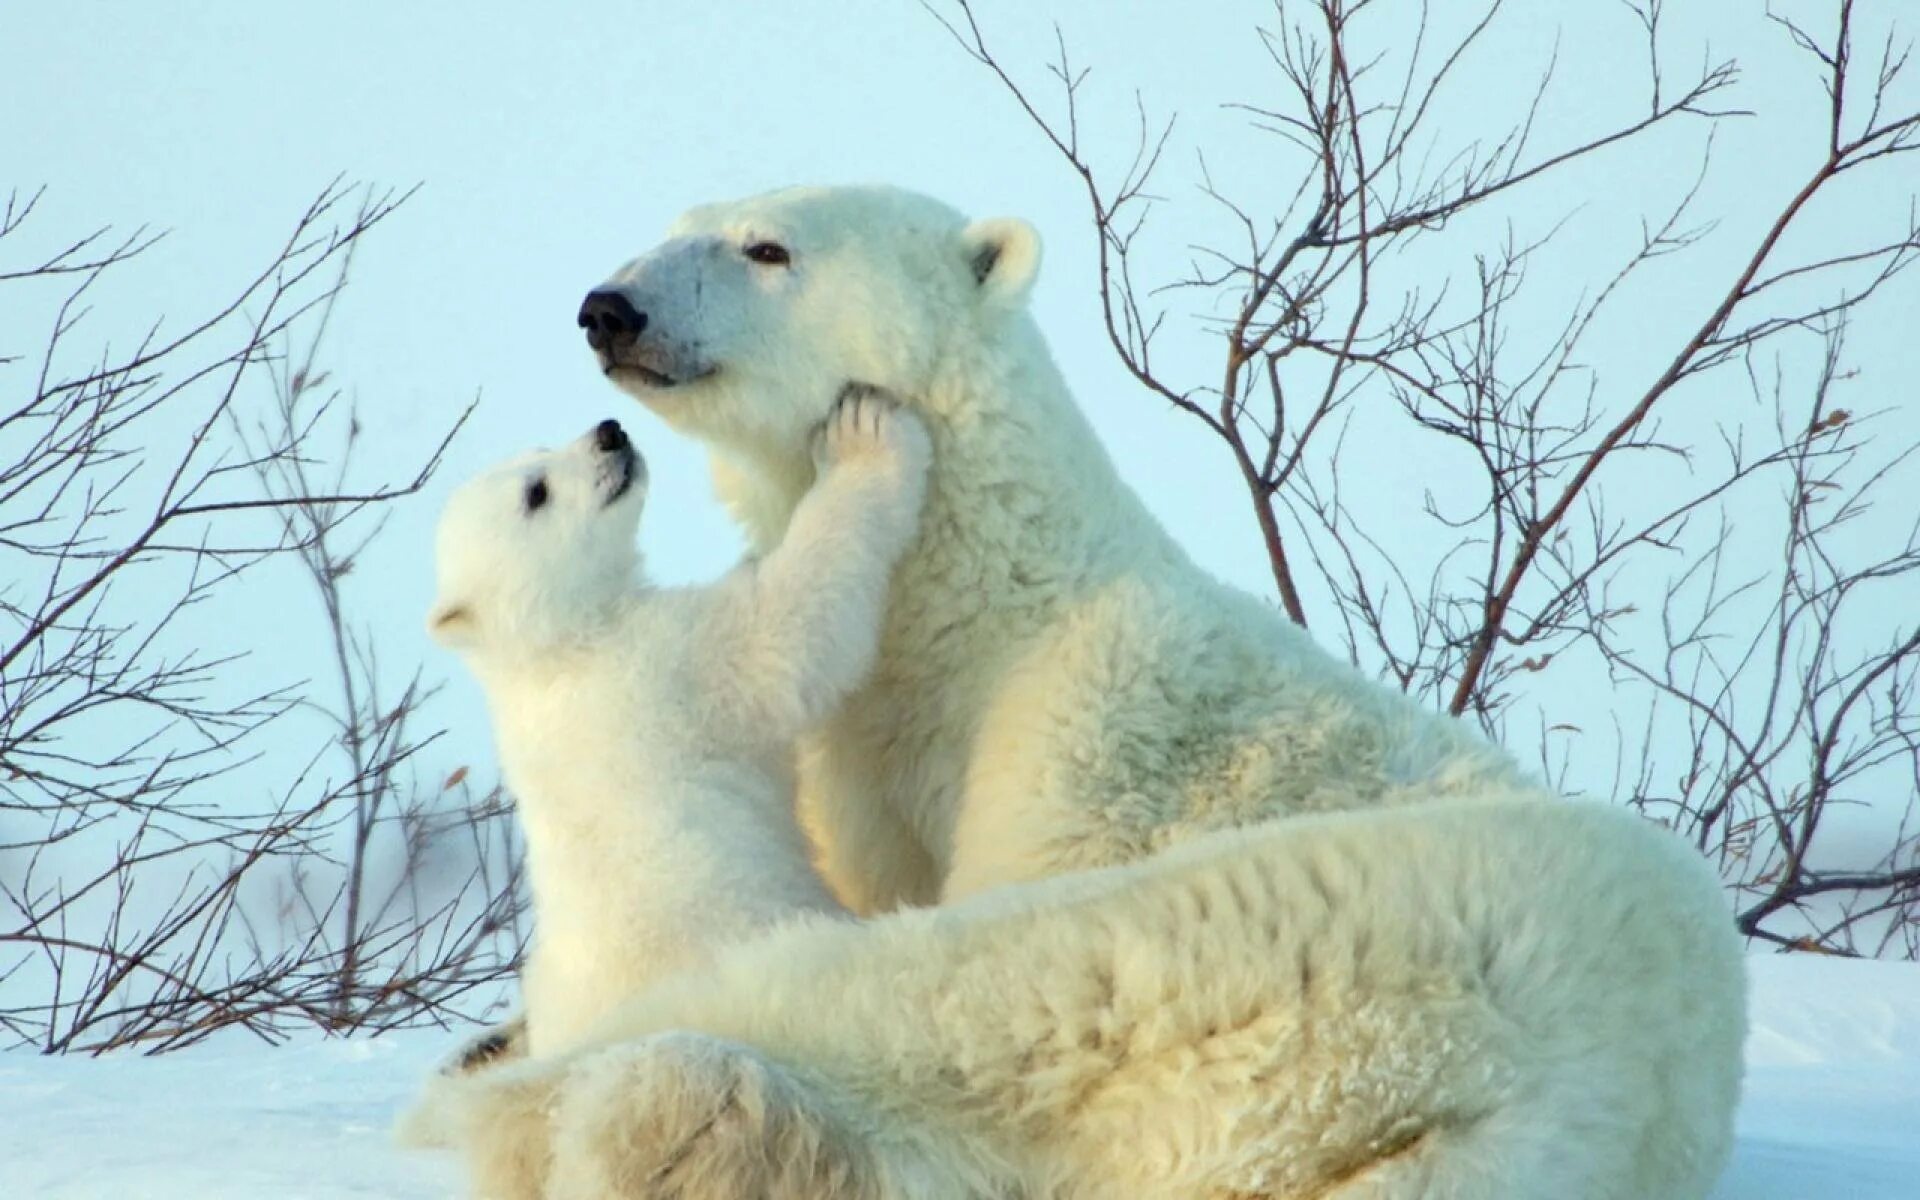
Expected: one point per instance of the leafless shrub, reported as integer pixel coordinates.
(1596, 503)
(176, 857)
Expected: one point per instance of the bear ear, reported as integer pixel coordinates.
(1004, 255)
(451, 624)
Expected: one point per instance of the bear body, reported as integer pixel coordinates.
(1444, 1002)
(1221, 918)
(1061, 687)
(646, 732)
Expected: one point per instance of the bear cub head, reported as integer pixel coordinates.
(741, 327)
(537, 553)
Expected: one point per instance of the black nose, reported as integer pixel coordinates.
(610, 319)
(608, 436)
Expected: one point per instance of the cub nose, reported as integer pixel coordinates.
(608, 436)
(610, 319)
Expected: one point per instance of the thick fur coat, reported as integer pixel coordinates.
(1479, 1001)
(1060, 687)
(646, 732)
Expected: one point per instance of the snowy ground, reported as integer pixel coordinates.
(1832, 1109)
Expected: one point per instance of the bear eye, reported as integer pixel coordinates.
(769, 254)
(536, 494)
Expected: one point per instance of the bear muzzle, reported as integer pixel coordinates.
(621, 465)
(631, 347)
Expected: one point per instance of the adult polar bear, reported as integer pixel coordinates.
(1061, 689)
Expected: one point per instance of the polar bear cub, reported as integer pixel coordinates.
(646, 731)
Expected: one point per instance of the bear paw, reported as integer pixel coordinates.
(870, 424)
(499, 1120)
(491, 1046)
(683, 1115)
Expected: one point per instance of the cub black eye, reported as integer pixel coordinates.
(536, 494)
(769, 254)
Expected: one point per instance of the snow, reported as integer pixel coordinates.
(1832, 1104)
(1832, 1110)
(304, 1121)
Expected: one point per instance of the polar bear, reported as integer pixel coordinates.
(1427, 980)
(1061, 688)
(645, 732)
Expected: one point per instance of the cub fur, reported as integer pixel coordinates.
(646, 732)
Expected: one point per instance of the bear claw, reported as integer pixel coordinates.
(489, 1047)
(869, 421)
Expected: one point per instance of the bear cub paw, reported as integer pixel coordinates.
(870, 425)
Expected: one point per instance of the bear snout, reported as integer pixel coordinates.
(611, 321)
(609, 437)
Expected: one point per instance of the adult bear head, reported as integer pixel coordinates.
(742, 327)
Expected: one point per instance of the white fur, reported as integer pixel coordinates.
(646, 732)
(1062, 688)
(1474, 1001)
(1428, 980)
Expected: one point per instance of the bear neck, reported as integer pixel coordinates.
(1010, 446)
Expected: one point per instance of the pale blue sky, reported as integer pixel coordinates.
(554, 141)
